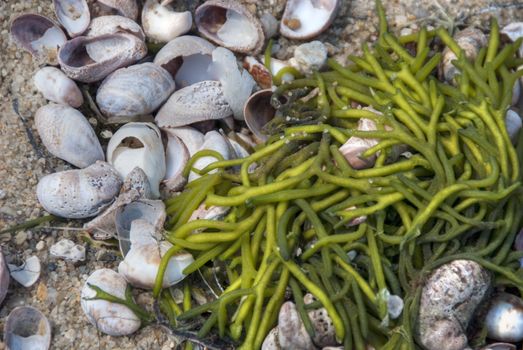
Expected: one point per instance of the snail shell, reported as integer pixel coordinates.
(68, 135)
(114, 25)
(77, 194)
(92, 59)
(125, 8)
(58, 87)
(355, 146)
(138, 145)
(162, 24)
(110, 318)
(305, 19)
(27, 328)
(134, 91)
(229, 24)
(74, 15)
(504, 318)
(39, 36)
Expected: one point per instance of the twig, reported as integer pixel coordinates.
(29, 224)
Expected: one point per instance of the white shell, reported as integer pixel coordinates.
(309, 57)
(113, 25)
(126, 8)
(68, 250)
(258, 111)
(141, 263)
(78, 194)
(162, 23)
(209, 213)
(191, 138)
(516, 93)
(145, 151)
(176, 157)
(4, 277)
(504, 320)
(305, 19)
(271, 340)
(58, 87)
(291, 331)
(74, 15)
(26, 328)
(324, 332)
(514, 31)
(134, 91)
(195, 103)
(28, 273)
(213, 141)
(513, 124)
(68, 135)
(110, 318)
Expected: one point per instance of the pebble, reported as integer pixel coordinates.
(40, 245)
(21, 237)
(3, 194)
(68, 250)
(309, 57)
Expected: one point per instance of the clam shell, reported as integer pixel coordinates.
(176, 157)
(78, 194)
(58, 87)
(305, 19)
(74, 15)
(138, 145)
(39, 36)
(4, 277)
(291, 332)
(504, 319)
(114, 25)
(125, 8)
(27, 328)
(258, 111)
(134, 91)
(258, 71)
(162, 24)
(28, 273)
(213, 141)
(110, 318)
(229, 24)
(92, 59)
(187, 58)
(68, 135)
(194, 103)
(271, 340)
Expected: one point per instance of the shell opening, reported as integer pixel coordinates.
(132, 142)
(194, 68)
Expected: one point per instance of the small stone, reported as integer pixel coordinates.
(41, 291)
(3, 194)
(68, 250)
(40, 245)
(309, 57)
(20, 237)
(106, 134)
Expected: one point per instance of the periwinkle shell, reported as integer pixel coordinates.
(58, 87)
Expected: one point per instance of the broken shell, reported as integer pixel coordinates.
(291, 331)
(513, 32)
(68, 135)
(187, 58)
(355, 146)
(258, 71)
(126, 8)
(504, 320)
(239, 150)
(58, 87)
(4, 277)
(110, 318)
(74, 15)
(499, 346)
(176, 157)
(191, 137)
(258, 111)
(309, 57)
(91, 59)
(449, 299)
(513, 124)
(305, 19)
(198, 102)
(134, 91)
(162, 24)
(142, 261)
(229, 24)
(68, 250)
(28, 273)
(39, 36)
(269, 24)
(113, 25)
(209, 213)
(137, 180)
(216, 142)
(77, 194)
(152, 211)
(138, 145)
(26, 328)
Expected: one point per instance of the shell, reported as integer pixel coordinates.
(449, 299)
(152, 211)
(68, 250)
(355, 146)
(68, 135)
(4, 277)
(291, 332)
(191, 138)
(176, 157)
(125, 8)
(209, 213)
(110, 318)
(324, 332)
(213, 141)
(194, 103)
(113, 25)
(39, 36)
(513, 124)
(499, 346)
(271, 340)
(134, 91)
(258, 111)
(504, 320)
(187, 58)
(229, 24)
(513, 32)
(28, 273)
(162, 24)
(305, 19)
(77, 194)
(141, 263)
(138, 145)
(74, 15)
(58, 87)
(516, 93)
(258, 71)
(92, 59)
(27, 328)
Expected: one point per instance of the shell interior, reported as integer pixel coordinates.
(229, 26)
(27, 328)
(193, 69)
(73, 15)
(306, 17)
(258, 112)
(28, 273)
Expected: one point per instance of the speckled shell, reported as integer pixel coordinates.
(291, 331)
(39, 36)
(126, 8)
(92, 59)
(27, 328)
(68, 135)
(58, 87)
(504, 319)
(109, 318)
(194, 103)
(210, 17)
(113, 25)
(162, 24)
(311, 17)
(134, 91)
(4, 277)
(324, 332)
(78, 194)
(74, 15)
